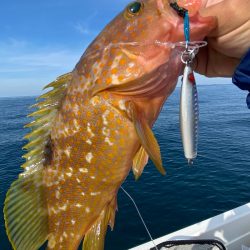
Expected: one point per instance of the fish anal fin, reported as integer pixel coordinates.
(25, 212)
(147, 138)
(95, 237)
(139, 162)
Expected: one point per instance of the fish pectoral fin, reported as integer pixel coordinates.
(95, 237)
(139, 162)
(25, 212)
(147, 138)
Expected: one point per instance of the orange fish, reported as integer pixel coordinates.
(93, 126)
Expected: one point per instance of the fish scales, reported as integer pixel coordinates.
(84, 177)
(97, 124)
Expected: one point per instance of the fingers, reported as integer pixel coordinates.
(229, 41)
(211, 63)
(230, 14)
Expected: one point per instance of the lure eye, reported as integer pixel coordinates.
(134, 9)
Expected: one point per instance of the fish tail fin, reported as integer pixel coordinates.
(95, 237)
(25, 212)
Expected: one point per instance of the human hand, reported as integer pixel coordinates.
(229, 41)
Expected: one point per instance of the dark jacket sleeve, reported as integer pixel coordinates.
(241, 77)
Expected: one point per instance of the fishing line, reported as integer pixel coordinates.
(143, 222)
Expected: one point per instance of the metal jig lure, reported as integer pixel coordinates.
(189, 109)
(189, 106)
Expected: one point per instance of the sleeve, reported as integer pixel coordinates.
(241, 77)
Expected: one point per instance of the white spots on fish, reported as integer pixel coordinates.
(96, 69)
(57, 223)
(83, 170)
(65, 235)
(106, 131)
(131, 64)
(78, 205)
(95, 193)
(76, 109)
(66, 131)
(94, 101)
(63, 208)
(52, 241)
(57, 194)
(61, 177)
(70, 169)
(73, 222)
(114, 79)
(56, 183)
(87, 209)
(67, 151)
(61, 239)
(49, 184)
(82, 193)
(76, 127)
(122, 105)
(104, 117)
(78, 180)
(69, 174)
(72, 234)
(92, 177)
(107, 140)
(90, 130)
(52, 171)
(116, 62)
(89, 157)
(89, 142)
(52, 210)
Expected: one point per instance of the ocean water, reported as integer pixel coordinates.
(218, 181)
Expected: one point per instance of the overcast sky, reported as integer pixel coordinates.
(40, 40)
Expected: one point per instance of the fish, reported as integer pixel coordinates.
(93, 126)
(189, 114)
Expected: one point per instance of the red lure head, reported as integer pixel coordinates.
(191, 78)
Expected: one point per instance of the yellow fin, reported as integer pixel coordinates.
(95, 237)
(139, 162)
(147, 138)
(40, 121)
(60, 81)
(52, 93)
(25, 212)
(34, 143)
(39, 137)
(40, 112)
(41, 131)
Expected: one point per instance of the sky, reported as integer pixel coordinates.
(40, 40)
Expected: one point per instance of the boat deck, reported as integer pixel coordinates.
(232, 228)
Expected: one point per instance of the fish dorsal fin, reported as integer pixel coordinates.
(95, 237)
(147, 138)
(25, 207)
(47, 109)
(139, 162)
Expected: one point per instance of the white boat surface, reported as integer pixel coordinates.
(232, 228)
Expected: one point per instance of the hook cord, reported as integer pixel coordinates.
(143, 222)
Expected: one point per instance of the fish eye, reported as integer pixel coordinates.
(134, 9)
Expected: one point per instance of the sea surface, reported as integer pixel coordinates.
(218, 181)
